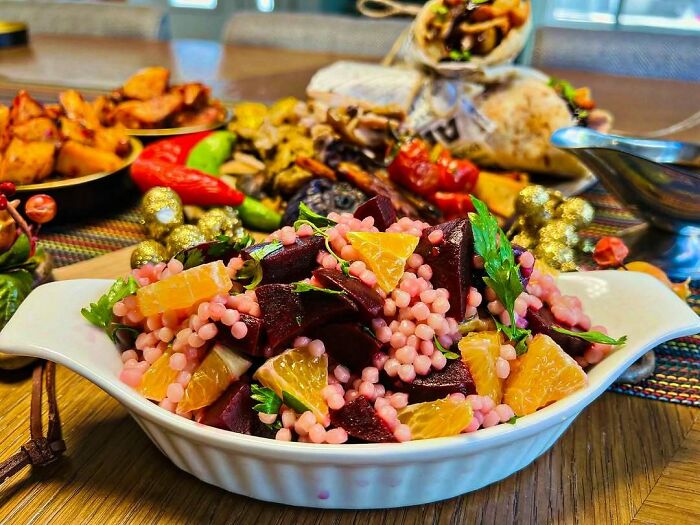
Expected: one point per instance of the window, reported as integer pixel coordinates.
(662, 14)
(266, 6)
(194, 4)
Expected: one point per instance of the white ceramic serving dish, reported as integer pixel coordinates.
(49, 325)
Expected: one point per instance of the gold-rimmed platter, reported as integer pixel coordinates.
(90, 195)
(184, 130)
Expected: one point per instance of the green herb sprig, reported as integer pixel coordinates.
(593, 337)
(320, 224)
(302, 287)
(269, 402)
(100, 313)
(502, 273)
(252, 269)
(447, 353)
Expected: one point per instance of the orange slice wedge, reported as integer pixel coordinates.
(432, 419)
(385, 254)
(480, 351)
(154, 384)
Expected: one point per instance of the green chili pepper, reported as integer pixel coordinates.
(255, 215)
(211, 152)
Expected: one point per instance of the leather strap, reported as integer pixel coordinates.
(40, 450)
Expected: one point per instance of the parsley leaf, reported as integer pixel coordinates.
(512, 420)
(307, 215)
(460, 56)
(447, 353)
(269, 402)
(301, 287)
(502, 274)
(252, 269)
(592, 337)
(293, 403)
(121, 332)
(100, 313)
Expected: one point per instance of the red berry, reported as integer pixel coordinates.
(40, 208)
(8, 188)
(3, 202)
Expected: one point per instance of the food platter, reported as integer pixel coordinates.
(82, 196)
(361, 475)
(185, 130)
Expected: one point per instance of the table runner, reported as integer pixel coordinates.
(677, 375)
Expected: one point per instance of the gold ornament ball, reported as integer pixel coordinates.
(555, 254)
(531, 200)
(559, 231)
(148, 252)
(220, 221)
(183, 237)
(525, 240)
(161, 211)
(576, 211)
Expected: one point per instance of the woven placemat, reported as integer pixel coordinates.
(677, 376)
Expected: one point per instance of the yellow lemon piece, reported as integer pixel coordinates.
(480, 351)
(219, 369)
(300, 374)
(184, 289)
(385, 254)
(433, 419)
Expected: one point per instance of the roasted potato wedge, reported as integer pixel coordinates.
(147, 83)
(148, 113)
(27, 162)
(24, 108)
(40, 129)
(76, 160)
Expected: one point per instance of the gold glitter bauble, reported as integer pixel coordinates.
(569, 267)
(555, 254)
(161, 212)
(183, 237)
(559, 231)
(220, 221)
(531, 200)
(576, 211)
(525, 240)
(148, 252)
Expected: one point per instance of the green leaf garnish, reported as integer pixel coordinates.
(293, 403)
(517, 335)
(223, 246)
(460, 56)
(269, 402)
(14, 288)
(302, 287)
(502, 274)
(100, 313)
(17, 255)
(115, 329)
(252, 269)
(447, 353)
(593, 337)
(512, 420)
(307, 215)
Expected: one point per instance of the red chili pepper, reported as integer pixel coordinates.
(453, 204)
(458, 174)
(610, 252)
(193, 186)
(173, 150)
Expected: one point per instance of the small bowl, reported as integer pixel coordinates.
(359, 476)
(147, 134)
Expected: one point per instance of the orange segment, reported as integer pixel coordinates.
(480, 351)
(441, 418)
(385, 254)
(544, 374)
(184, 289)
(300, 374)
(219, 369)
(154, 384)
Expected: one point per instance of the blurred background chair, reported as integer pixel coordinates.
(631, 53)
(314, 32)
(88, 18)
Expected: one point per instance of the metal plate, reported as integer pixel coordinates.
(171, 132)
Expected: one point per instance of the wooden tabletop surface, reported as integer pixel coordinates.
(624, 460)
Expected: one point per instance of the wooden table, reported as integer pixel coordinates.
(624, 460)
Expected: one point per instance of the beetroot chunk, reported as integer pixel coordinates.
(348, 343)
(291, 263)
(359, 419)
(454, 378)
(287, 314)
(542, 321)
(368, 301)
(251, 344)
(381, 209)
(232, 411)
(451, 261)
